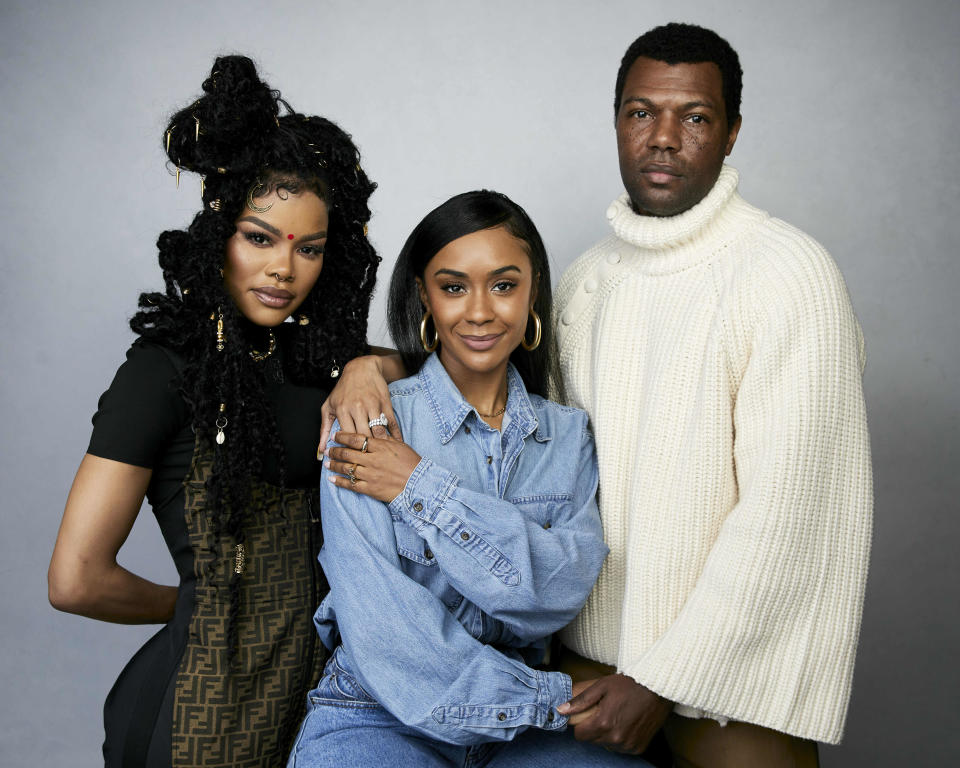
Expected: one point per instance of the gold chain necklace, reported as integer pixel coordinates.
(259, 357)
(495, 414)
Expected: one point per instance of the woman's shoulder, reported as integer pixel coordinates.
(153, 358)
(143, 409)
(559, 418)
(405, 395)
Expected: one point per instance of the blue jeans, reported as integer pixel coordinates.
(346, 728)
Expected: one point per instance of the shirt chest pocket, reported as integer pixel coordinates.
(545, 509)
(420, 564)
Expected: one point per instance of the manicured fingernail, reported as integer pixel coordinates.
(326, 464)
(564, 708)
(332, 478)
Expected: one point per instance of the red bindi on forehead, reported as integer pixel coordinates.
(289, 237)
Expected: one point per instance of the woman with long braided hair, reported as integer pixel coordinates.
(215, 418)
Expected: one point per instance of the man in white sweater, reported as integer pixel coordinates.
(718, 356)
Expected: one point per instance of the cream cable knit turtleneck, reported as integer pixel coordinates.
(720, 361)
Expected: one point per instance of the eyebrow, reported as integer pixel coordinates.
(261, 223)
(683, 107)
(274, 231)
(454, 273)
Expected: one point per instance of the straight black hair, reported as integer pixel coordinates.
(462, 215)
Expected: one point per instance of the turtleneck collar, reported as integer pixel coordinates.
(684, 232)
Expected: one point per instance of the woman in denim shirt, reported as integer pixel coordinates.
(453, 555)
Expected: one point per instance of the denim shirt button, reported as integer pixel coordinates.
(550, 716)
(467, 430)
(489, 459)
(418, 507)
(465, 536)
(546, 526)
(428, 554)
(502, 716)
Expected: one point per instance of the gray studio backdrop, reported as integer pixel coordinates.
(849, 132)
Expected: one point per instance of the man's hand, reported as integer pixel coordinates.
(625, 715)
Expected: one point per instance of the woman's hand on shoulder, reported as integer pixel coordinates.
(361, 395)
(375, 466)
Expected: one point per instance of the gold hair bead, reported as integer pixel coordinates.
(178, 177)
(220, 337)
(196, 128)
(168, 140)
(240, 559)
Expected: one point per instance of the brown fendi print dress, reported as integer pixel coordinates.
(177, 702)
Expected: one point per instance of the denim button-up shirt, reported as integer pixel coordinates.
(442, 598)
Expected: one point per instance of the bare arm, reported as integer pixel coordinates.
(361, 395)
(84, 576)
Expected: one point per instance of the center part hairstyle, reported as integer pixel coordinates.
(235, 137)
(463, 215)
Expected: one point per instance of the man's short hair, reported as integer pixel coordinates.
(687, 44)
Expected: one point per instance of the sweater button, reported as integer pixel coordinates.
(612, 212)
(613, 258)
(590, 285)
(567, 317)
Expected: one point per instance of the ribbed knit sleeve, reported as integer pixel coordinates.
(769, 633)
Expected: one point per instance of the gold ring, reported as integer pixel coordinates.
(363, 448)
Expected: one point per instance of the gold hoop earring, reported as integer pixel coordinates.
(537, 333)
(428, 347)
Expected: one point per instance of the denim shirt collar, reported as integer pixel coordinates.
(451, 409)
